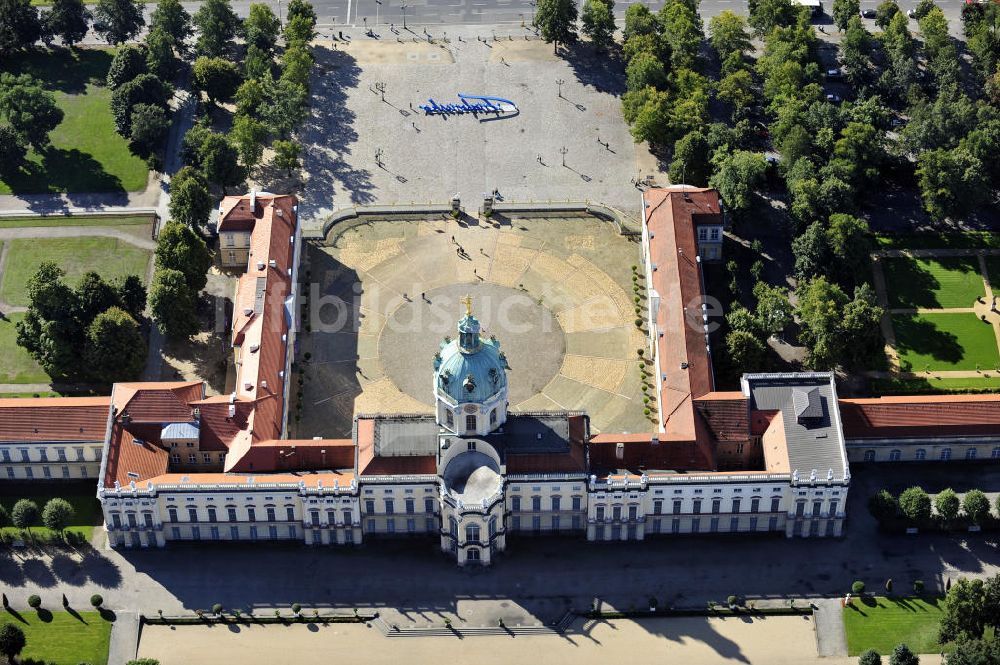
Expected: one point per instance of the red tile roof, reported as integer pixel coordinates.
(63, 419)
(157, 402)
(725, 414)
(640, 454)
(296, 455)
(684, 363)
(131, 459)
(921, 416)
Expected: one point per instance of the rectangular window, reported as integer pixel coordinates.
(772, 524)
(29, 472)
(616, 532)
(536, 523)
(116, 520)
(347, 517)
(317, 537)
(677, 506)
(231, 512)
(214, 532)
(633, 512)
(175, 532)
(555, 522)
(290, 513)
(271, 516)
(314, 517)
(411, 506)
(371, 526)
(599, 533)
(24, 455)
(616, 512)
(515, 523)
(211, 514)
(716, 506)
(411, 525)
(555, 503)
(46, 472)
(536, 503)
(753, 523)
(83, 471)
(254, 535)
(800, 508)
(147, 519)
(657, 507)
(515, 503)
(61, 454)
(369, 506)
(272, 532)
(65, 472)
(755, 505)
(196, 532)
(713, 525)
(817, 506)
(389, 507)
(696, 508)
(736, 505)
(43, 455)
(734, 524)
(251, 514)
(390, 525)
(206, 458)
(79, 454)
(833, 509)
(675, 525)
(234, 533)
(576, 522)
(192, 459)
(429, 524)
(576, 503)
(6, 455)
(428, 505)
(192, 514)
(695, 525)
(10, 472)
(599, 513)
(775, 504)
(470, 423)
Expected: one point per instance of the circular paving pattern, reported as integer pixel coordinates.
(529, 334)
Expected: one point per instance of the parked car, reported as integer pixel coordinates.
(833, 99)
(834, 74)
(911, 14)
(867, 13)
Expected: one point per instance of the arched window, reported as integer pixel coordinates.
(470, 423)
(869, 455)
(453, 527)
(921, 454)
(493, 417)
(996, 452)
(449, 418)
(970, 453)
(894, 455)
(946, 453)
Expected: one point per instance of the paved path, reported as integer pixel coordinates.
(76, 232)
(83, 202)
(831, 640)
(124, 638)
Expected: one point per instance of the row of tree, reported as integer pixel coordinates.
(57, 514)
(917, 507)
(901, 655)
(28, 114)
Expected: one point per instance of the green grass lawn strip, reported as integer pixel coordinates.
(16, 365)
(892, 621)
(86, 154)
(944, 342)
(109, 257)
(966, 240)
(62, 639)
(933, 283)
(74, 220)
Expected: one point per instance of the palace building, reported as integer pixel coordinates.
(172, 464)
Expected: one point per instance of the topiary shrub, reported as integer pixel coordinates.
(97, 600)
(296, 608)
(34, 601)
(918, 586)
(217, 608)
(858, 587)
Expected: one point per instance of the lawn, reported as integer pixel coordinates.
(109, 257)
(59, 638)
(944, 342)
(924, 385)
(993, 270)
(965, 240)
(892, 621)
(74, 220)
(86, 154)
(16, 365)
(929, 283)
(87, 511)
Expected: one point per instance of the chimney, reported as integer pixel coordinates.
(260, 265)
(247, 386)
(620, 451)
(263, 384)
(197, 413)
(232, 410)
(272, 263)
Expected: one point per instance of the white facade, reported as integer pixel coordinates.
(49, 461)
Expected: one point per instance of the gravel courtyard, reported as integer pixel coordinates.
(556, 292)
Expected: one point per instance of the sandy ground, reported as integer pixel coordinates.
(695, 640)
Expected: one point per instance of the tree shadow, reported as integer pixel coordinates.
(44, 615)
(101, 571)
(329, 132)
(62, 69)
(602, 70)
(106, 614)
(68, 171)
(68, 570)
(38, 573)
(915, 334)
(76, 615)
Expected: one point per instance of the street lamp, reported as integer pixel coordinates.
(533, 4)
(402, 6)
(559, 82)
(378, 3)
(562, 151)
(279, 12)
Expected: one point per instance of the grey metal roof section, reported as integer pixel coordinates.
(533, 433)
(404, 437)
(180, 431)
(808, 404)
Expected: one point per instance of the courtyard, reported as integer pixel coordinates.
(554, 291)
(567, 141)
(696, 640)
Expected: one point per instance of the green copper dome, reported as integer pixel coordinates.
(470, 368)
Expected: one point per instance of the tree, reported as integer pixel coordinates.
(129, 62)
(819, 311)
(645, 69)
(119, 21)
(737, 90)
(975, 652)
(299, 30)
(216, 77)
(58, 513)
(285, 106)
(19, 26)
(746, 352)
(729, 35)
(173, 20)
(951, 182)
(902, 655)
(915, 504)
(218, 160)
(922, 8)
(736, 177)
(286, 155)
(180, 248)
(262, 27)
(691, 160)
(217, 26)
(556, 20)
(976, 506)
(49, 330)
(150, 125)
(683, 31)
(190, 202)
(249, 136)
(766, 15)
(883, 506)
(639, 22)
(131, 295)
(24, 514)
(68, 19)
(256, 63)
(946, 504)
(774, 311)
(598, 22)
(884, 13)
(843, 11)
(93, 296)
(870, 657)
(12, 641)
(296, 62)
(850, 242)
(114, 349)
(143, 89)
(964, 611)
(160, 58)
(648, 110)
(4, 517)
(855, 52)
(301, 9)
(13, 149)
(173, 304)
(30, 110)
